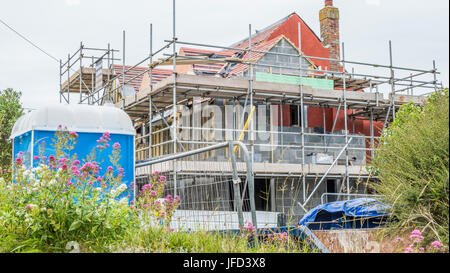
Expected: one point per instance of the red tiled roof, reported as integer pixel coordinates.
(264, 40)
(157, 75)
(288, 26)
(213, 68)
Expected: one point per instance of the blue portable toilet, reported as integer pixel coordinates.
(89, 122)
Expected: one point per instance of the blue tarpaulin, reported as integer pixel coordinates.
(356, 213)
(300, 232)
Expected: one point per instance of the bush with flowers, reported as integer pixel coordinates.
(64, 199)
(154, 209)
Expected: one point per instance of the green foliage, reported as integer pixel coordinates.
(10, 111)
(412, 162)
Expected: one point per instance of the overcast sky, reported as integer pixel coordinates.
(419, 31)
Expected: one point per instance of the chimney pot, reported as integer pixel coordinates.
(328, 2)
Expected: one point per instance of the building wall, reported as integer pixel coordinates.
(283, 46)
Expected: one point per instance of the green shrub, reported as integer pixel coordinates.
(412, 163)
(10, 111)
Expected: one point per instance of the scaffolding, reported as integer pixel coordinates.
(356, 96)
(83, 74)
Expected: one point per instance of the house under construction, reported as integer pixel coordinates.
(308, 119)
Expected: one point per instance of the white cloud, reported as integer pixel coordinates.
(72, 3)
(373, 2)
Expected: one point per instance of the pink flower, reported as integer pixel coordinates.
(116, 146)
(249, 227)
(18, 161)
(422, 249)
(162, 178)
(408, 250)
(436, 244)
(416, 232)
(146, 187)
(64, 167)
(74, 134)
(69, 184)
(61, 160)
(90, 166)
(153, 194)
(110, 169)
(51, 158)
(36, 157)
(76, 162)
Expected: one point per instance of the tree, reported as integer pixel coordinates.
(412, 163)
(10, 111)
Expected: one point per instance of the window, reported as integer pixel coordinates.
(294, 113)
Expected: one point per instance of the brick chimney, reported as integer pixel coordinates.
(329, 31)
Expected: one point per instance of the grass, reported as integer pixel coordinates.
(159, 240)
